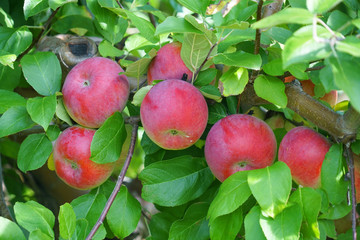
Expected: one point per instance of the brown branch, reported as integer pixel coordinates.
(342, 127)
(36, 40)
(257, 39)
(4, 209)
(350, 163)
(206, 59)
(119, 181)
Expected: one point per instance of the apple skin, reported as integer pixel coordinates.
(357, 176)
(239, 142)
(276, 121)
(304, 150)
(93, 90)
(72, 159)
(168, 64)
(174, 114)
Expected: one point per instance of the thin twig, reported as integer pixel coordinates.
(118, 2)
(4, 209)
(257, 39)
(203, 63)
(350, 163)
(118, 183)
(36, 40)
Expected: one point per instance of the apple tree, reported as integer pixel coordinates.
(238, 119)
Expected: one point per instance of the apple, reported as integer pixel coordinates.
(357, 176)
(308, 87)
(303, 150)
(174, 114)
(256, 112)
(168, 64)
(239, 142)
(93, 90)
(72, 159)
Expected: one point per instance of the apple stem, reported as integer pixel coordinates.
(350, 163)
(4, 209)
(134, 123)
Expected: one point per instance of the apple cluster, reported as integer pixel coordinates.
(93, 90)
(174, 115)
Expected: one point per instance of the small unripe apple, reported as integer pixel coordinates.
(168, 64)
(239, 142)
(72, 159)
(276, 121)
(174, 114)
(304, 150)
(93, 90)
(256, 112)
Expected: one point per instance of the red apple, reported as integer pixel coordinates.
(168, 64)
(72, 159)
(174, 114)
(357, 176)
(239, 142)
(94, 90)
(304, 150)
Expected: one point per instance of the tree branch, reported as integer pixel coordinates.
(350, 163)
(119, 181)
(342, 127)
(36, 40)
(203, 63)
(257, 39)
(4, 209)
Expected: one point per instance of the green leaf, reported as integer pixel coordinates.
(108, 140)
(42, 110)
(271, 89)
(148, 146)
(7, 59)
(176, 181)
(321, 6)
(10, 78)
(106, 49)
(124, 214)
(160, 224)
(5, 19)
(234, 81)
(61, 112)
(54, 4)
(175, 25)
(34, 151)
(138, 68)
(39, 235)
(233, 192)
(145, 27)
(66, 23)
(302, 47)
(32, 215)
(226, 226)
(271, 187)
(67, 221)
(274, 67)
(140, 94)
(15, 40)
(345, 70)
(53, 132)
(217, 111)
(10, 230)
(10, 99)
(14, 120)
(252, 224)
(332, 175)
(239, 59)
(285, 16)
(33, 7)
(89, 207)
(111, 26)
(205, 77)
(195, 49)
(285, 226)
(350, 45)
(310, 202)
(278, 34)
(193, 225)
(43, 72)
(211, 92)
(81, 230)
(195, 6)
(336, 211)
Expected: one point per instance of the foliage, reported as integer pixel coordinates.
(317, 39)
